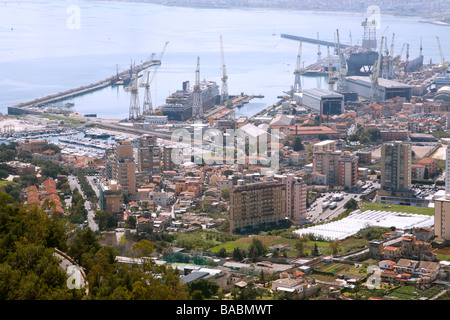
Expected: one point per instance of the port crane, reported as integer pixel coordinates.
(134, 112)
(443, 63)
(224, 97)
(319, 54)
(341, 84)
(147, 105)
(197, 106)
(375, 88)
(330, 72)
(297, 72)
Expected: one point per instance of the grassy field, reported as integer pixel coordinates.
(396, 208)
(409, 292)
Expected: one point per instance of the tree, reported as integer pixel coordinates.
(238, 254)
(315, 250)
(225, 193)
(222, 253)
(206, 287)
(300, 244)
(351, 204)
(335, 247)
(105, 220)
(256, 249)
(143, 248)
(298, 145)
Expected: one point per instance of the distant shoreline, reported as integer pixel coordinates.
(430, 16)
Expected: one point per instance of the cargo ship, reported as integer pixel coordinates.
(178, 106)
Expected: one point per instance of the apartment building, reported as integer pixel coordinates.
(111, 196)
(32, 146)
(148, 155)
(396, 166)
(340, 168)
(255, 204)
(296, 194)
(123, 168)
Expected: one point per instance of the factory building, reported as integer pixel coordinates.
(388, 88)
(325, 101)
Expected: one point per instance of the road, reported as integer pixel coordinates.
(73, 183)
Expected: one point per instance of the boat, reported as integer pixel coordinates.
(178, 106)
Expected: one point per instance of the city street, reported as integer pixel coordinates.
(73, 183)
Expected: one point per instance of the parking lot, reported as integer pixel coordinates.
(316, 213)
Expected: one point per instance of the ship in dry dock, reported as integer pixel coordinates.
(178, 106)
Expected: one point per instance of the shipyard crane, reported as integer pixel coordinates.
(297, 72)
(384, 69)
(341, 84)
(330, 72)
(224, 97)
(319, 54)
(420, 50)
(391, 72)
(197, 106)
(134, 112)
(444, 64)
(375, 88)
(147, 105)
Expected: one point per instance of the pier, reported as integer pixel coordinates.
(33, 105)
(315, 41)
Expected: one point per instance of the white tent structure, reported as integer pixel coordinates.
(358, 220)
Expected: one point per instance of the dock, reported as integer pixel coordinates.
(314, 41)
(33, 105)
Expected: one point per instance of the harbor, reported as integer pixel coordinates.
(37, 106)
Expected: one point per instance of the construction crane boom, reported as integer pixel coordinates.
(197, 106)
(224, 96)
(440, 53)
(374, 89)
(330, 72)
(147, 80)
(341, 85)
(297, 83)
(319, 54)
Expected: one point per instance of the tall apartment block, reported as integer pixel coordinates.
(254, 204)
(396, 174)
(296, 194)
(340, 168)
(148, 155)
(123, 168)
(442, 206)
(396, 166)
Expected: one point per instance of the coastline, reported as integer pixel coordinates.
(430, 17)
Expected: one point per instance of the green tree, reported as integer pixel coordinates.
(298, 145)
(256, 249)
(143, 248)
(206, 287)
(222, 253)
(351, 204)
(335, 247)
(105, 220)
(300, 244)
(225, 193)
